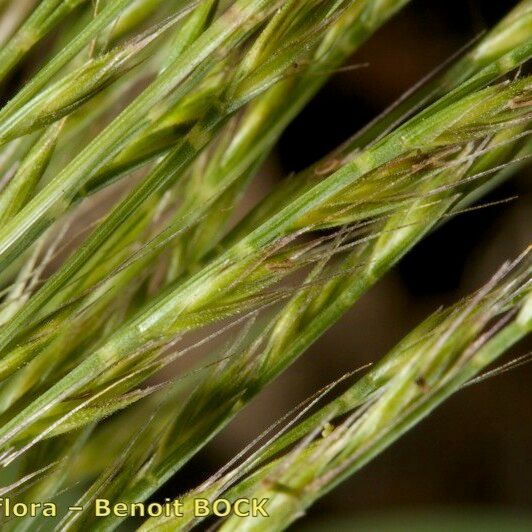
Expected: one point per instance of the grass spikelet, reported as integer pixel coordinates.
(125, 157)
(434, 361)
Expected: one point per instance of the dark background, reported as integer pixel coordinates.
(473, 454)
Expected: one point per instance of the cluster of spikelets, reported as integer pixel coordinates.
(124, 157)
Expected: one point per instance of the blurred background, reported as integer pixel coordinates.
(468, 466)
